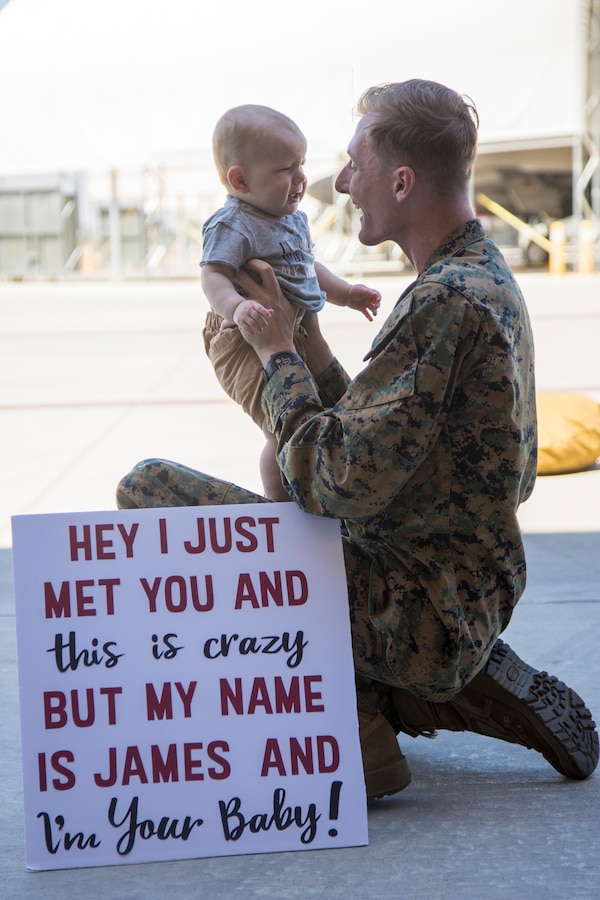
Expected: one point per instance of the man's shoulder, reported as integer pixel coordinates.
(468, 268)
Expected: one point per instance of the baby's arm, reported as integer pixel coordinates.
(341, 293)
(247, 314)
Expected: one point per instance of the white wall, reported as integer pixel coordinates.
(95, 84)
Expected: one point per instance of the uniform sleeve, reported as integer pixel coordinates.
(353, 460)
(332, 383)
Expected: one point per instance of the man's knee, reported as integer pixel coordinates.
(161, 483)
(143, 486)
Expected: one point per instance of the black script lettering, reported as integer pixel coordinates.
(67, 658)
(271, 644)
(235, 823)
(68, 840)
(170, 652)
(166, 829)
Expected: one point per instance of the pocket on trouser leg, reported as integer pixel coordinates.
(397, 636)
(367, 643)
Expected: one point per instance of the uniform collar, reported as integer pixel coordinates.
(456, 241)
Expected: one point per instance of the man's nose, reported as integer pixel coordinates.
(341, 182)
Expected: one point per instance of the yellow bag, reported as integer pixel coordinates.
(568, 432)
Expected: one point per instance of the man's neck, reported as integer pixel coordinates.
(432, 230)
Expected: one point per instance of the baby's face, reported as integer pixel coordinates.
(275, 179)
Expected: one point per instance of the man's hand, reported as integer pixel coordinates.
(258, 280)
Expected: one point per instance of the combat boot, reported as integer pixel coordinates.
(385, 767)
(513, 702)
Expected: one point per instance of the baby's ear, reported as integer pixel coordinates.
(237, 179)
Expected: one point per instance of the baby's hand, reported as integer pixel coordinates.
(364, 299)
(251, 316)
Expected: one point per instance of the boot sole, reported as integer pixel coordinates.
(549, 716)
(388, 780)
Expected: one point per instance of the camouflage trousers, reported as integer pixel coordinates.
(395, 643)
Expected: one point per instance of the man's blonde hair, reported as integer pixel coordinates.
(243, 132)
(425, 125)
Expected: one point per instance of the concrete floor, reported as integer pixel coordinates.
(94, 377)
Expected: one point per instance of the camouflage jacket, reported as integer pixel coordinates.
(427, 453)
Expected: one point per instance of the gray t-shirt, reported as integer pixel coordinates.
(239, 232)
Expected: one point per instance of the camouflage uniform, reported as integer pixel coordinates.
(425, 455)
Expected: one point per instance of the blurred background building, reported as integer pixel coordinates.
(107, 112)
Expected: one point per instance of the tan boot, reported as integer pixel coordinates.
(385, 767)
(513, 702)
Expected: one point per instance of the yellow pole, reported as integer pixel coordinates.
(585, 248)
(558, 241)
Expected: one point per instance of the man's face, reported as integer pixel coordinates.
(369, 182)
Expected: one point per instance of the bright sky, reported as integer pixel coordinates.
(128, 81)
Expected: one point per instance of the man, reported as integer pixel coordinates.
(425, 455)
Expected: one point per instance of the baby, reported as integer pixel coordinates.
(259, 154)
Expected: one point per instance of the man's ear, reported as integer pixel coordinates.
(404, 182)
(237, 179)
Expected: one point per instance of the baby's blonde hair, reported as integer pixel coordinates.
(244, 132)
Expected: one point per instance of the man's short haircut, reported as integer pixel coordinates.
(244, 131)
(424, 125)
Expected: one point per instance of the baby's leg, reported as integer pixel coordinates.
(269, 470)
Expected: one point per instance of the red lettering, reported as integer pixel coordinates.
(56, 762)
(291, 580)
(164, 769)
(55, 707)
(133, 766)
(60, 606)
(57, 606)
(159, 709)
(272, 758)
(280, 698)
(271, 589)
(84, 544)
(191, 765)
(103, 544)
(259, 696)
(301, 757)
(84, 600)
(225, 769)
(164, 765)
(252, 542)
(269, 523)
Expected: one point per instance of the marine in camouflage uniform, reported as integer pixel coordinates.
(426, 456)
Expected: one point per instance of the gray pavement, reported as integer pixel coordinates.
(98, 375)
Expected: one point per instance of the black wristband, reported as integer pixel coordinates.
(278, 361)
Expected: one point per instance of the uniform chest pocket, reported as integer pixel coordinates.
(390, 374)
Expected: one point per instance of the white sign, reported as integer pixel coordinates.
(186, 685)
